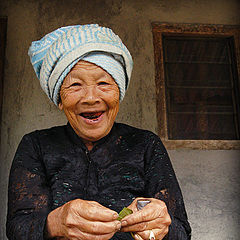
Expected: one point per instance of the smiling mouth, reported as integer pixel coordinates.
(91, 115)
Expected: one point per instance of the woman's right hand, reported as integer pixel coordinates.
(81, 219)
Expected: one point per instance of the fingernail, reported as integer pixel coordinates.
(115, 215)
(124, 223)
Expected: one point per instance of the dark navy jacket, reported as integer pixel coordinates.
(53, 166)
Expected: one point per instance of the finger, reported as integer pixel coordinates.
(95, 211)
(89, 226)
(103, 213)
(138, 217)
(88, 236)
(138, 227)
(137, 237)
(146, 234)
(158, 233)
(99, 227)
(150, 212)
(159, 222)
(76, 234)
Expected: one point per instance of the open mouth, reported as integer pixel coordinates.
(91, 115)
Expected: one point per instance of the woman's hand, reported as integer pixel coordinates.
(154, 216)
(81, 219)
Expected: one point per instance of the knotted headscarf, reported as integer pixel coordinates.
(55, 55)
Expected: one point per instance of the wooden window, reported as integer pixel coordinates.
(197, 82)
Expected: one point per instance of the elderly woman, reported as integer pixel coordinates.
(70, 182)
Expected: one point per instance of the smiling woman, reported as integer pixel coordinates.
(90, 100)
(71, 181)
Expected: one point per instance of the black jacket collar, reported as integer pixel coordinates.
(78, 140)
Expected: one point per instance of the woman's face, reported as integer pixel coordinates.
(90, 100)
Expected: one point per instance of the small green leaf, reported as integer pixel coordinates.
(125, 211)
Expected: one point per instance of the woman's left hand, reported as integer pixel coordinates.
(153, 217)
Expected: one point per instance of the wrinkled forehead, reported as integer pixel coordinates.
(84, 69)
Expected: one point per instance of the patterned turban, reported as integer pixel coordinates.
(55, 55)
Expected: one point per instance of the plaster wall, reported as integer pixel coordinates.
(209, 179)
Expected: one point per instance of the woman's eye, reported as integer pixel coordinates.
(102, 83)
(75, 84)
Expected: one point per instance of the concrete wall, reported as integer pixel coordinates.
(209, 179)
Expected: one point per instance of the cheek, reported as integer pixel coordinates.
(113, 100)
(69, 100)
(114, 105)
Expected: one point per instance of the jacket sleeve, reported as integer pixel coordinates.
(28, 193)
(161, 183)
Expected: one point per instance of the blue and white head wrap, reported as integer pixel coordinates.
(55, 55)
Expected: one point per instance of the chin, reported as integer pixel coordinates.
(95, 137)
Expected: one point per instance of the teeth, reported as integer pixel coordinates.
(91, 115)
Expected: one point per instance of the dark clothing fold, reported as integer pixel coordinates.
(53, 166)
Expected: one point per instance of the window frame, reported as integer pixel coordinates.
(175, 29)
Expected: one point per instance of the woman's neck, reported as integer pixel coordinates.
(89, 145)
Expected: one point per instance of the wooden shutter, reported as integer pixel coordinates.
(197, 85)
(201, 101)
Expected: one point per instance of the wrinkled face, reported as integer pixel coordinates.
(90, 100)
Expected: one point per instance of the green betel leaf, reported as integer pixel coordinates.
(125, 211)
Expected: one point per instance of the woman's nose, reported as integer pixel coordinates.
(90, 95)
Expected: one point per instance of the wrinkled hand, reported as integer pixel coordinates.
(154, 216)
(81, 219)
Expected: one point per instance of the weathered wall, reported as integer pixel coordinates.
(208, 178)
(210, 185)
